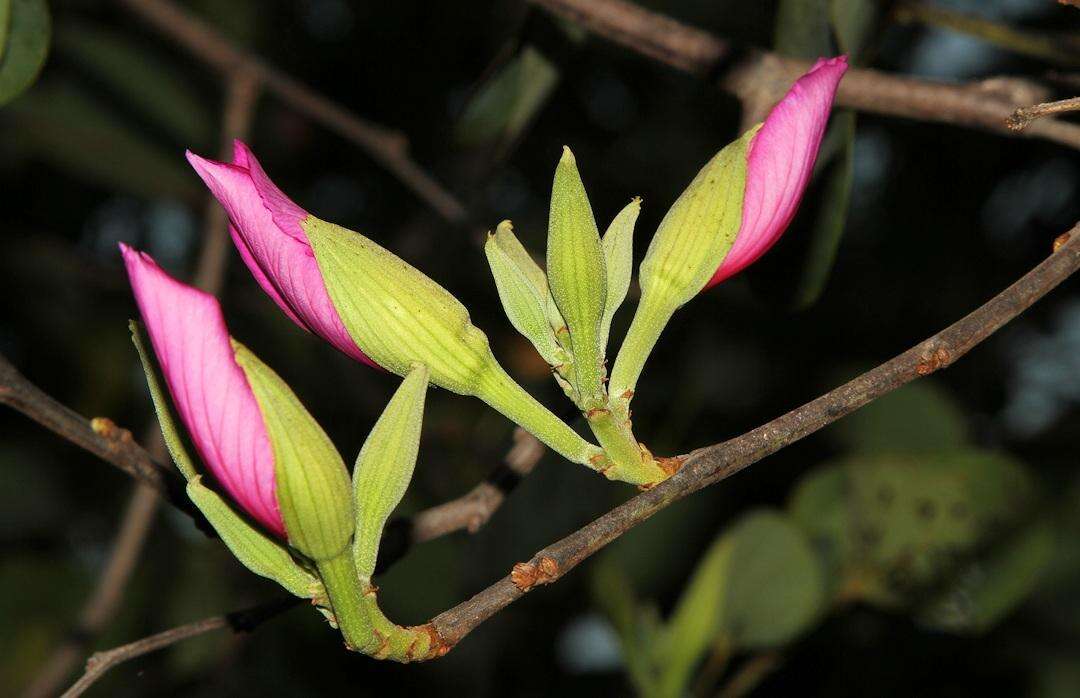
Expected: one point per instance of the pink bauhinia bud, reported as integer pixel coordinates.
(209, 389)
(779, 164)
(265, 225)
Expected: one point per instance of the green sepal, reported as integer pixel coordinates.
(396, 314)
(577, 276)
(254, 549)
(385, 466)
(173, 441)
(699, 229)
(312, 483)
(522, 288)
(689, 245)
(618, 244)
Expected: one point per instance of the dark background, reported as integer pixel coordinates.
(941, 219)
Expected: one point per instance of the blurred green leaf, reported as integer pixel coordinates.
(853, 22)
(23, 46)
(918, 418)
(505, 105)
(61, 124)
(759, 585)
(5, 25)
(819, 506)
(152, 86)
(891, 527)
(991, 586)
(637, 626)
(802, 28)
(828, 225)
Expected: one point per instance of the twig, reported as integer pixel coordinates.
(471, 511)
(712, 464)
(243, 621)
(1060, 48)
(386, 147)
(99, 610)
(693, 50)
(108, 442)
(1025, 115)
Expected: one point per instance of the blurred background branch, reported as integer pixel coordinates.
(687, 48)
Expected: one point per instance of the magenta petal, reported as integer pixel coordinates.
(209, 389)
(780, 162)
(266, 230)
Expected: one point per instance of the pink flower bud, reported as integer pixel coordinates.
(209, 389)
(265, 226)
(780, 162)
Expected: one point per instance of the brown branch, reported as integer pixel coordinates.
(98, 436)
(1023, 116)
(388, 148)
(694, 50)
(711, 464)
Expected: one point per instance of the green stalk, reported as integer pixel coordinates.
(650, 319)
(347, 601)
(499, 390)
(629, 463)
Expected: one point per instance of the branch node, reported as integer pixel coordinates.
(937, 360)
(527, 575)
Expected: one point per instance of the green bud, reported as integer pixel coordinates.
(689, 246)
(257, 551)
(522, 287)
(399, 317)
(618, 244)
(385, 466)
(312, 482)
(699, 229)
(396, 314)
(578, 277)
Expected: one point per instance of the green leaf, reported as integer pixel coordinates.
(254, 549)
(23, 46)
(173, 440)
(313, 486)
(152, 86)
(759, 585)
(920, 417)
(990, 587)
(828, 226)
(385, 466)
(504, 106)
(618, 244)
(61, 124)
(577, 275)
(802, 28)
(524, 301)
